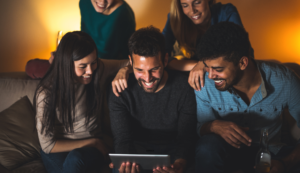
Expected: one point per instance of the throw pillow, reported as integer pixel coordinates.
(19, 142)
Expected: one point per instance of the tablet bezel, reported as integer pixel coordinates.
(145, 161)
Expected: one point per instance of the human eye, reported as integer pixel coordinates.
(219, 70)
(197, 2)
(82, 67)
(184, 5)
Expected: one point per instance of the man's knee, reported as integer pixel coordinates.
(210, 145)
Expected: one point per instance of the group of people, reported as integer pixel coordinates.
(209, 121)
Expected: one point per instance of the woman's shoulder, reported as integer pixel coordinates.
(222, 8)
(225, 12)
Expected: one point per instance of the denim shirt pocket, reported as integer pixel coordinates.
(225, 110)
(269, 112)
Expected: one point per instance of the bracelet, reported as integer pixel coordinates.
(284, 165)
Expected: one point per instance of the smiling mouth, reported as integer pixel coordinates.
(86, 77)
(148, 84)
(101, 5)
(196, 17)
(219, 82)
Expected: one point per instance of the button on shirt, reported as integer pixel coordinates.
(279, 89)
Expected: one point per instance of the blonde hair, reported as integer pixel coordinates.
(184, 30)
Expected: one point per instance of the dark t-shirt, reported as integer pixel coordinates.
(168, 116)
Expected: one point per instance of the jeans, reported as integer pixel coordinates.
(78, 160)
(215, 155)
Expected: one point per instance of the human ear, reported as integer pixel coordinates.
(243, 62)
(130, 60)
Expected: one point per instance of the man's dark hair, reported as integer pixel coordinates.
(147, 41)
(224, 39)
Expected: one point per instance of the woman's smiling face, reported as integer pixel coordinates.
(102, 5)
(85, 67)
(196, 10)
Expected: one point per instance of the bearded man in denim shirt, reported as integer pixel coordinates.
(241, 96)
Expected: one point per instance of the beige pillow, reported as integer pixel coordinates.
(19, 142)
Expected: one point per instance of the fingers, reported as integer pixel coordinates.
(128, 167)
(161, 170)
(245, 139)
(114, 88)
(196, 77)
(194, 81)
(202, 80)
(137, 168)
(118, 85)
(111, 165)
(232, 133)
(233, 142)
(133, 168)
(122, 168)
(123, 84)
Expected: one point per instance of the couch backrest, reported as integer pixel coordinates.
(15, 85)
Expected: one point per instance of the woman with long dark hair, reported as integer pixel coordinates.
(71, 112)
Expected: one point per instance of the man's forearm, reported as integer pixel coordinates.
(182, 65)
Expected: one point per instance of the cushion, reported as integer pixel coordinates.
(37, 68)
(19, 142)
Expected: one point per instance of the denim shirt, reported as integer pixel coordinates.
(279, 89)
(219, 13)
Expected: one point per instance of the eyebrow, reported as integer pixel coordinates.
(212, 67)
(88, 63)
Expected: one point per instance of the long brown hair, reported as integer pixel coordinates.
(58, 85)
(184, 30)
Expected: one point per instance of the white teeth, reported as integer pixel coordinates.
(86, 76)
(195, 17)
(218, 81)
(101, 6)
(148, 84)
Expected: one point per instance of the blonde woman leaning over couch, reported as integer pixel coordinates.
(71, 112)
(187, 21)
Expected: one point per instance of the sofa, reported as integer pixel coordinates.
(19, 145)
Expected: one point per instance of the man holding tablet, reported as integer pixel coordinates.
(156, 113)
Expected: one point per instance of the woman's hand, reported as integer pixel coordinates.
(120, 81)
(197, 76)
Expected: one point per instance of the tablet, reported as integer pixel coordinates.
(145, 161)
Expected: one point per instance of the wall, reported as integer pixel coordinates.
(29, 27)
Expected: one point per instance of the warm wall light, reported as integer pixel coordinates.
(57, 15)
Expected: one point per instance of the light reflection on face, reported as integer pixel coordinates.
(148, 71)
(225, 74)
(196, 10)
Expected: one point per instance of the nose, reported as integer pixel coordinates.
(89, 70)
(194, 9)
(147, 76)
(211, 75)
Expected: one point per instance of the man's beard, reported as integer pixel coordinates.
(236, 79)
(155, 86)
(150, 90)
